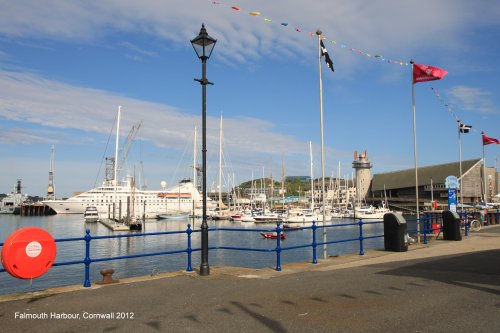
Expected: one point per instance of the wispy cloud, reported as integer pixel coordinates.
(54, 105)
(370, 26)
(139, 52)
(473, 99)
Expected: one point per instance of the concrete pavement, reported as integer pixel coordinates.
(441, 287)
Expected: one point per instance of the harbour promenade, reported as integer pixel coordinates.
(439, 287)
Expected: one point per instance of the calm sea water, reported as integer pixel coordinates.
(61, 226)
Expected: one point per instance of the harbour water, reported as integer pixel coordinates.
(73, 226)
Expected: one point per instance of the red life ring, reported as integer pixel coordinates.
(28, 253)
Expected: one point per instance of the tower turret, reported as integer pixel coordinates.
(363, 175)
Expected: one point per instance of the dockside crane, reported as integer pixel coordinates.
(127, 145)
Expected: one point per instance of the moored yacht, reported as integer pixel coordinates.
(110, 199)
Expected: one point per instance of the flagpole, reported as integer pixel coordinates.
(484, 173)
(460, 165)
(318, 32)
(415, 147)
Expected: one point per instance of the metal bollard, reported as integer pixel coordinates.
(107, 277)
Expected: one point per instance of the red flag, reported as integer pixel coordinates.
(488, 141)
(422, 73)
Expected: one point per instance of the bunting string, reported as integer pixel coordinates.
(449, 107)
(337, 44)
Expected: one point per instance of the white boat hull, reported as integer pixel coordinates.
(149, 204)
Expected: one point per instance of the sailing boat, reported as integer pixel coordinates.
(221, 212)
(307, 215)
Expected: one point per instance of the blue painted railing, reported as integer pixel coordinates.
(278, 249)
(430, 223)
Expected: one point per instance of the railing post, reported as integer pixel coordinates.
(466, 225)
(278, 247)
(314, 244)
(87, 260)
(189, 231)
(427, 222)
(361, 249)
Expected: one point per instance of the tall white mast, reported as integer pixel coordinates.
(195, 169)
(283, 182)
(116, 145)
(220, 163)
(338, 187)
(115, 180)
(312, 178)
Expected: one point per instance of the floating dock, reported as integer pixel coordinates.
(114, 225)
(120, 226)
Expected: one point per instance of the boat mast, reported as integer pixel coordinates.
(194, 157)
(338, 187)
(312, 179)
(116, 145)
(220, 163)
(116, 155)
(252, 198)
(283, 183)
(263, 191)
(272, 185)
(195, 168)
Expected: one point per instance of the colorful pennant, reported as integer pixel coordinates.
(448, 107)
(355, 51)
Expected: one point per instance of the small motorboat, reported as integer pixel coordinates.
(272, 235)
(236, 217)
(91, 215)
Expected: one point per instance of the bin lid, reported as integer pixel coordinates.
(446, 214)
(394, 218)
(28, 253)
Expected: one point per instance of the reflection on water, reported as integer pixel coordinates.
(72, 226)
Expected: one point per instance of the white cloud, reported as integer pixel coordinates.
(397, 29)
(394, 27)
(473, 100)
(51, 108)
(33, 99)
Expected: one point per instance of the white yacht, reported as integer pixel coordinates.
(124, 199)
(91, 215)
(306, 215)
(370, 212)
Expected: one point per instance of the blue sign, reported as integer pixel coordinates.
(452, 199)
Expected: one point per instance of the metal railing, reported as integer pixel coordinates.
(278, 249)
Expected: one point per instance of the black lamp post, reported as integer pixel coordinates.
(203, 45)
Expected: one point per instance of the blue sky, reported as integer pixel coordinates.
(66, 66)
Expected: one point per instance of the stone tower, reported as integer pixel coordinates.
(363, 175)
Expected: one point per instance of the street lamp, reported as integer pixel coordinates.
(203, 45)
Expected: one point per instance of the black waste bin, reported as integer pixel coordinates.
(395, 230)
(451, 226)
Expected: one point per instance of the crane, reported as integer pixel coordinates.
(127, 145)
